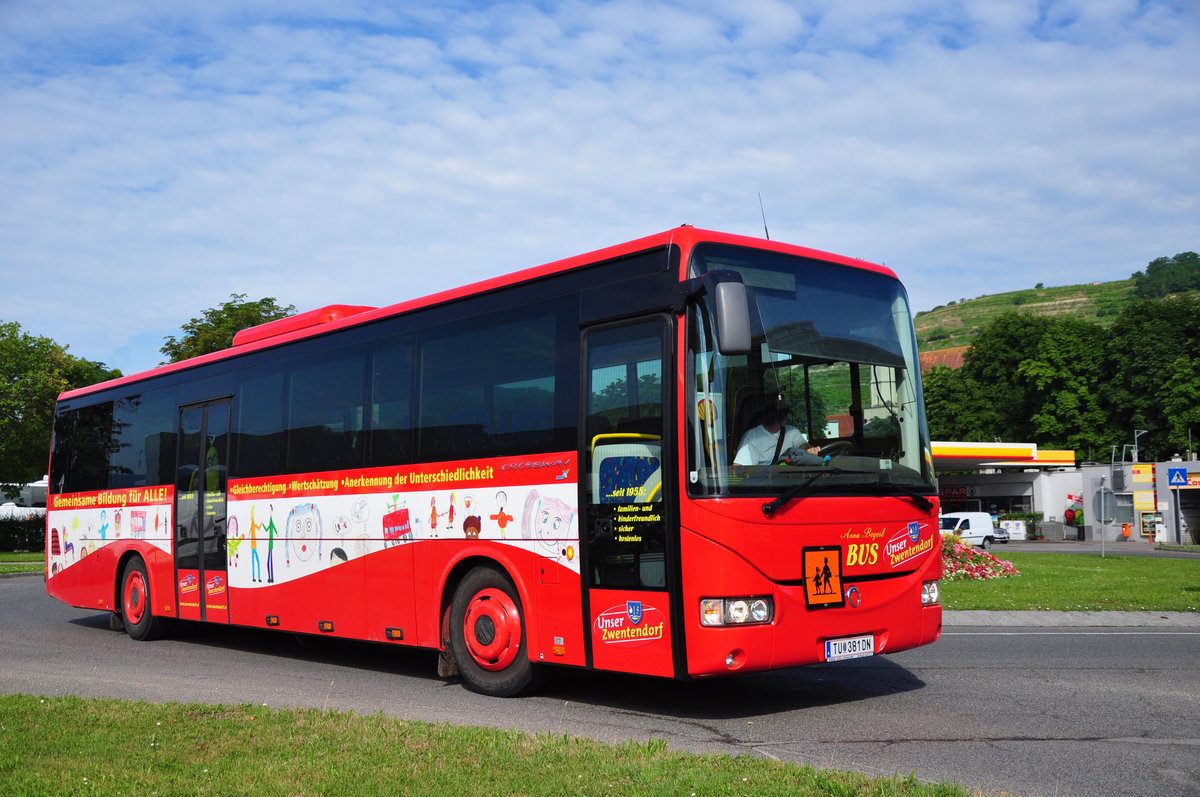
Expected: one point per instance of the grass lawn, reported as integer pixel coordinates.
(21, 562)
(1083, 582)
(116, 747)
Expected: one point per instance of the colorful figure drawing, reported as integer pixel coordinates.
(471, 526)
(433, 515)
(255, 564)
(271, 532)
(303, 530)
(548, 520)
(502, 519)
(232, 541)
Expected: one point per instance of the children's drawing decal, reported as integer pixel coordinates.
(549, 520)
(80, 524)
(303, 533)
(331, 518)
(501, 517)
(397, 526)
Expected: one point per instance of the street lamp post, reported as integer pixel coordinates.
(1136, 434)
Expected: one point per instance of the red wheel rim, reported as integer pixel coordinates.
(135, 597)
(492, 629)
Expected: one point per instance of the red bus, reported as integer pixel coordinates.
(690, 455)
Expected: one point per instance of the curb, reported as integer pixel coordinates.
(20, 573)
(1036, 619)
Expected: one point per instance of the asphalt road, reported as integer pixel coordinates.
(1036, 710)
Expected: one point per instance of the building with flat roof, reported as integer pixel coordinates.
(1149, 500)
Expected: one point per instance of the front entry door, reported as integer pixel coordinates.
(628, 497)
(201, 587)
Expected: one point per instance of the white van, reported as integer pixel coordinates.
(975, 528)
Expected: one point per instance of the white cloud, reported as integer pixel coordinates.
(158, 158)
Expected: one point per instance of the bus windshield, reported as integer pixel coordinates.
(827, 401)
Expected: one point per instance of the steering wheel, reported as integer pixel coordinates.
(836, 448)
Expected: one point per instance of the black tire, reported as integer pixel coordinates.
(488, 636)
(140, 622)
(986, 544)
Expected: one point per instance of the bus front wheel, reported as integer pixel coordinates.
(140, 622)
(487, 634)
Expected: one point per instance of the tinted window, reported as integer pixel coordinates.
(391, 404)
(258, 432)
(83, 439)
(143, 440)
(325, 413)
(492, 385)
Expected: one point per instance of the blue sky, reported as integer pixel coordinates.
(157, 157)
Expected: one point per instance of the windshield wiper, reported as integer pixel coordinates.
(921, 501)
(771, 507)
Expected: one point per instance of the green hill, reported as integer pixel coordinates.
(957, 323)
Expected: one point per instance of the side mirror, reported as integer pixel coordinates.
(730, 307)
(732, 312)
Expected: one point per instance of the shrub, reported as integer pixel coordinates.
(23, 535)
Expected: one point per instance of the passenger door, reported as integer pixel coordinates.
(202, 442)
(628, 496)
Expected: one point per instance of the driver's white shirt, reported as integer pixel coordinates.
(758, 445)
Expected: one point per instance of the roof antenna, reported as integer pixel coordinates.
(764, 215)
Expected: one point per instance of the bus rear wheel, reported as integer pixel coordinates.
(487, 635)
(140, 622)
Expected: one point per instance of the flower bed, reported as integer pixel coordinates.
(961, 561)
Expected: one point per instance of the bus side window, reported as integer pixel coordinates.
(391, 422)
(325, 414)
(258, 434)
(492, 385)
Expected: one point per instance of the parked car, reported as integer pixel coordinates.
(975, 528)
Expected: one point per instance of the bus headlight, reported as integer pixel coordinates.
(736, 611)
(931, 593)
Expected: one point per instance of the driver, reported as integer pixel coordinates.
(762, 445)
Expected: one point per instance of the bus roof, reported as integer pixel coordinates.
(333, 317)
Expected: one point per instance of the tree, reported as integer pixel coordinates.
(1167, 275)
(1026, 378)
(993, 365)
(956, 407)
(1150, 355)
(214, 330)
(1063, 380)
(33, 371)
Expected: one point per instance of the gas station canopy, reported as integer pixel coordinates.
(973, 456)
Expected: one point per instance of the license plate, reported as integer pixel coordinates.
(853, 647)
